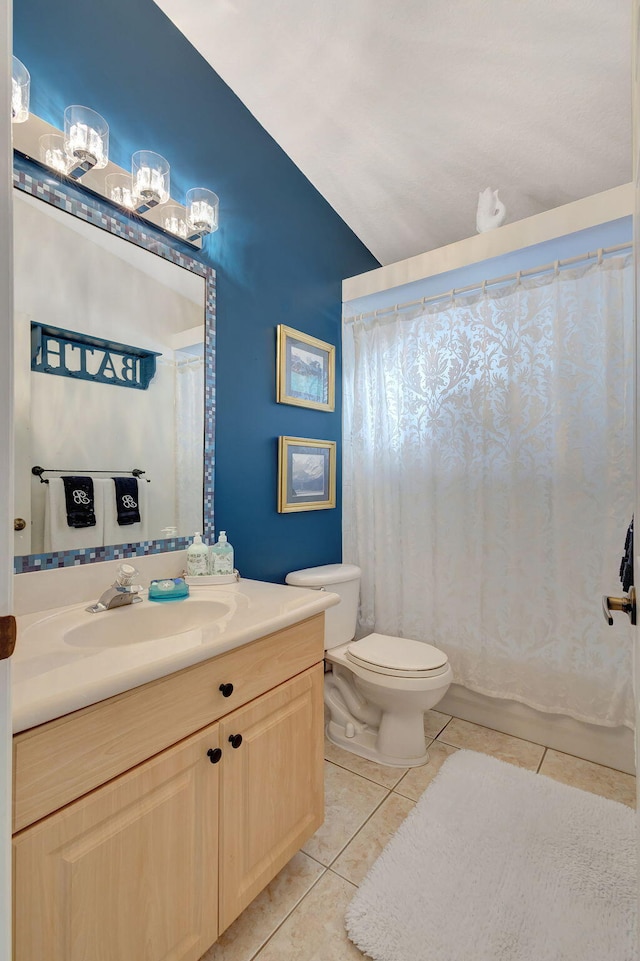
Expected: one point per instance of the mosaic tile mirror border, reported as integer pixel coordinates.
(38, 181)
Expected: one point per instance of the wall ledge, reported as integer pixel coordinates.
(548, 225)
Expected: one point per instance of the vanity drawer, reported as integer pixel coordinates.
(60, 761)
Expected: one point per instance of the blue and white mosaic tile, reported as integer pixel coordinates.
(38, 181)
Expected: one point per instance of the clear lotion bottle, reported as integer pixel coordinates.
(221, 556)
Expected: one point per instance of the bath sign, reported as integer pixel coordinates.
(69, 354)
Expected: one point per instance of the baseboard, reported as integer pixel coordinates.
(612, 746)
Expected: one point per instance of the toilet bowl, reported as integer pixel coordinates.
(378, 688)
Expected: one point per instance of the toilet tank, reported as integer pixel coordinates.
(342, 579)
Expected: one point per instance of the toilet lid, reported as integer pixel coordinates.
(396, 654)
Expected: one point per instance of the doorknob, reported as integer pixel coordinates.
(627, 604)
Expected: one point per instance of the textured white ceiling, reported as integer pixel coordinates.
(401, 111)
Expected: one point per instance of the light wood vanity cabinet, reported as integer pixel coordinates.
(271, 800)
(154, 864)
(127, 872)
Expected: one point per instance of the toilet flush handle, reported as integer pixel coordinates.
(626, 603)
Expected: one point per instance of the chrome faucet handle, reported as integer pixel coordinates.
(125, 577)
(122, 592)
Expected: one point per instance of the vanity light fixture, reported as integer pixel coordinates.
(174, 219)
(119, 188)
(86, 140)
(84, 146)
(53, 153)
(202, 212)
(150, 174)
(20, 86)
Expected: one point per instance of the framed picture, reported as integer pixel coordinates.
(306, 370)
(306, 474)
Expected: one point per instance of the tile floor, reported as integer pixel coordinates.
(299, 916)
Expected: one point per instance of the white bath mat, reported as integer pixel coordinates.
(500, 864)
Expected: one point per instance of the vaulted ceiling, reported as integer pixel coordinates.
(401, 111)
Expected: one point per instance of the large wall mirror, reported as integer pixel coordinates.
(112, 282)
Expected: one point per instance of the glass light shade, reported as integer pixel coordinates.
(119, 189)
(151, 177)
(174, 220)
(86, 137)
(202, 210)
(20, 85)
(53, 153)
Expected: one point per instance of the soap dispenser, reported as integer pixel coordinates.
(197, 555)
(221, 556)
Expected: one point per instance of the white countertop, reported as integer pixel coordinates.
(53, 676)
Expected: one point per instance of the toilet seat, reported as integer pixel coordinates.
(397, 656)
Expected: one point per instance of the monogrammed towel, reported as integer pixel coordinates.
(127, 500)
(58, 536)
(79, 501)
(134, 531)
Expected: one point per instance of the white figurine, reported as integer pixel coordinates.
(491, 211)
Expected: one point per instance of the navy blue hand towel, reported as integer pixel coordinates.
(79, 501)
(626, 564)
(127, 500)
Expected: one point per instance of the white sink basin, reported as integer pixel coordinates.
(148, 621)
(67, 658)
(130, 624)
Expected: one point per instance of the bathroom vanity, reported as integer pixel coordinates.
(167, 757)
(146, 822)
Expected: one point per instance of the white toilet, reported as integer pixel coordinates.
(379, 687)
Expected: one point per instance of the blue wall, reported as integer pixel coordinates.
(281, 251)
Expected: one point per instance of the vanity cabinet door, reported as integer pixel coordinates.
(129, 872)
(271, 791)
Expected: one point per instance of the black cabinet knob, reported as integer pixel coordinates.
(227, 690)
(214, 754)
(235, 740)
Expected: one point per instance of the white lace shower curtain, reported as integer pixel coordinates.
(488, 471)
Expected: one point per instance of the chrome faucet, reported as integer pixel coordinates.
(122, 591)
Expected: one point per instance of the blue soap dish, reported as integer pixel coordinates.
(168, 589)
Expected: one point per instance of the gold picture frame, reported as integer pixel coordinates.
(305, 370)
(306, 474)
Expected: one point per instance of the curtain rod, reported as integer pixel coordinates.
(556, 266)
